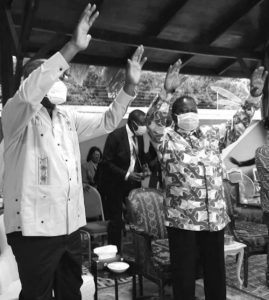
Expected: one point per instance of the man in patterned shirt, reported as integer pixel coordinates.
(195, 209)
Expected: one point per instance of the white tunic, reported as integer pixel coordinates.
(43, 193)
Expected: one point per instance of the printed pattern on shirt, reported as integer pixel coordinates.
(193, 169)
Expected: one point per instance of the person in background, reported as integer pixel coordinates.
(195, 209)
(89, 168)
(43, 195)
(124, 167)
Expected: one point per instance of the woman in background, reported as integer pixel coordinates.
(88, 169)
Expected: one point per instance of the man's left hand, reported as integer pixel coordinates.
(133, 70)
(257, 81)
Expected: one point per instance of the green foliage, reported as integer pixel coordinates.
(95, 85)
(101, 84)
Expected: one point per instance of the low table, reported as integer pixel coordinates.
(99, 268)
(232, 250)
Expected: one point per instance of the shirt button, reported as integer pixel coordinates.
(61, 69)
(19, 227)
(16, 200)
(69, 199)
(58, 144)
(42, 222)
(66, 160)
(41, 134)
(70, 179)
(18, 212)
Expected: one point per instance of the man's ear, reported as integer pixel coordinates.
(174, 118)
(134, 125)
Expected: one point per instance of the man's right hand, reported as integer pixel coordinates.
(135, 176)
(172, 79)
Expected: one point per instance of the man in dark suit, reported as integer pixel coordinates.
(124, 162)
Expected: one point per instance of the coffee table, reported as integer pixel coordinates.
(233, 249)
(99, 269)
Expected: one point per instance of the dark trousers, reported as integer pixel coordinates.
(46, 264)
(184, 247)
(116, 195)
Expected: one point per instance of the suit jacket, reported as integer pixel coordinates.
(116, 156)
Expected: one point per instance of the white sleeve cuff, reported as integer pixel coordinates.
(57, 63)
(127, 175)
(124, 98)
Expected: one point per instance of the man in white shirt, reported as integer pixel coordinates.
(43, 194)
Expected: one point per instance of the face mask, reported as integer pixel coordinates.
(57, 93)
(141, 129)
(188, 121)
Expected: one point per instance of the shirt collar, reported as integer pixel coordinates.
(129, 131)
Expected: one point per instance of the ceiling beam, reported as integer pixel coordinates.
(130, 40)
(164, 18)
(98, 60)
(56, 42)
(10, 26)
(225, 66)
(30, 7)
(6, 62)
(255, 44)
(225, 23)
(171, 46)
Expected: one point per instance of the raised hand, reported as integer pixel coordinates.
(134, 66)
(135, 176)
(81, 38)
(257, 81)
(172, 79)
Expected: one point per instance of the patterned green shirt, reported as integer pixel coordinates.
(192, 167)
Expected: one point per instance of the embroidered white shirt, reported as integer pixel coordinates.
(43, 193)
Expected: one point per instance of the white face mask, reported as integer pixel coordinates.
(188, 121)
(141, 130)
(57, 93)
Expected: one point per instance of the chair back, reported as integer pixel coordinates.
(235, 175)
(146, 211)
(93, 204)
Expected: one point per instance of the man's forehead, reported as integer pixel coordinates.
(141, 118)
(187, 101)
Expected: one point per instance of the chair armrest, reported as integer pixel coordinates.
(249, 214)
